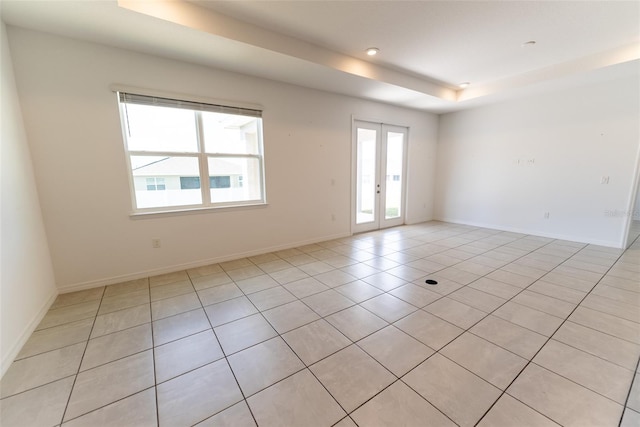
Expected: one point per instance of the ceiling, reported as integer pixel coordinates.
(427, 48)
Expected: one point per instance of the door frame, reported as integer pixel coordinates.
(404, 177)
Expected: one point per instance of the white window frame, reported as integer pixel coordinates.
(203, 104)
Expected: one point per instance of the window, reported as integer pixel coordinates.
(184, 155)
(155, 184)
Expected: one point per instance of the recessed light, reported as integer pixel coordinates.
(372, 51)
(464, 85)
(530, 43)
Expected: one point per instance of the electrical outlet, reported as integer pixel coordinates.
(546, 215)
(604, 180)
(155, 243)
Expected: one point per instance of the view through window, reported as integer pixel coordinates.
(185, 155)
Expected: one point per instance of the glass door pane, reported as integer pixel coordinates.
(394, 174)
(366, 143)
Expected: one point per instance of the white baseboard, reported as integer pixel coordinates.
(8, 357)
(607, 243)
(178, 267)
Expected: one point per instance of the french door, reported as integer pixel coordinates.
(379, 164)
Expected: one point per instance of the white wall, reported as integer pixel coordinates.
(74, 131)
(27, 285)
(574, 137)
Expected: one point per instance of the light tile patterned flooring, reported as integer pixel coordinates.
(519, 331)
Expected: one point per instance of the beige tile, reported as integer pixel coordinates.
(556, 291)
(460, 276)
(317, 267)
(549, 305)
(415, 295)
(236, 264)
(524, 270)
(244, 272)
(521, 341)
(615, 308)
(495, 287)
(211, 280)
(382, 263)
(203, 271)
(603, 377)
(263, 258)
(385, 281)
(305, 287)
(264, 364)
(511, 278)
(459, 394)
(179, 326)
(243, 333)
(274, 265)
(352, 377)
(477, 299)
(622, 353)
(356, 322)
(607, 323)
(126, 287)
(219, 293)
(455, 312)
(289, 275)
(298, 260)
(487, 360)
(358, 291)
(120, 302)
(634, 395)
(256, 284)
(443, 287)
(269, 298)
(563, 401)
(175, 305)
(228, 311)
(197, 395)
(119, 320)
(38, 370)
(630, 418)
(299, 400)
(335, 278)
(476, 268)
(42, 406)
(327, 302)
(186, 354)
(171, 290)
(290, 316)
(345, 422)
(398, 405)
(138, 410)
(569, 282)
(71, 298)
(509, 412)
(407, 273)
(107, 383)
(360, 270)
(108, 348)
(237, 415)
(529, 318)
(56, 337)
(395, 350)
(315, 341)
(388, 307)
(164, 279)
(69, 314)
(429, 329)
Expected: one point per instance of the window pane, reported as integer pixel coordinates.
(235, 179)
(393, 200)
(158, 181)
(189, 182)
(230, 134)
(160, 129)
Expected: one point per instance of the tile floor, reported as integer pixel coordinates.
(519, 331)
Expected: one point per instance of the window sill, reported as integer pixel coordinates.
(195, 211)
